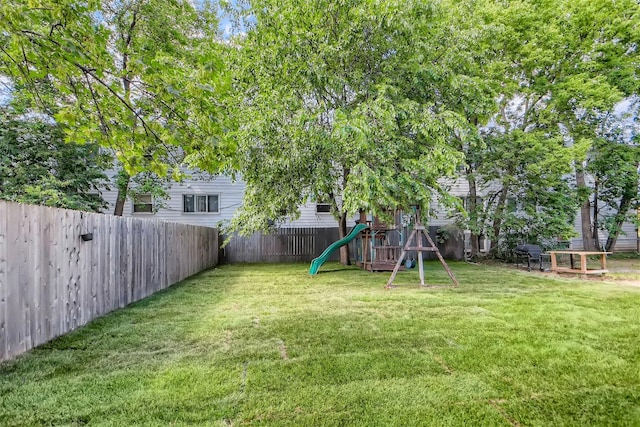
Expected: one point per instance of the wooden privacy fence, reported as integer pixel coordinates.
(283, 245)
(304, 244)
(51, 281)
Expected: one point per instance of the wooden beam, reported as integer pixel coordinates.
(414, 243)
(421, 249)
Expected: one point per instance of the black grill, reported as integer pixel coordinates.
(531, 253)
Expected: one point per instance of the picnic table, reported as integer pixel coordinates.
(583, 262)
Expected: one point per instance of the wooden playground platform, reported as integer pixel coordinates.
(378, 247)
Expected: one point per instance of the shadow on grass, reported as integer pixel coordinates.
(270, 344)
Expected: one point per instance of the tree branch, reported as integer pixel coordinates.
(103, 124)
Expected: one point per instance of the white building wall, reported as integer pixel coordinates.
(230, 198)
(627, 240)
(310, 218)
(459, 188)
(231, 194)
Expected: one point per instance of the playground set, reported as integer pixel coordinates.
(385, 247)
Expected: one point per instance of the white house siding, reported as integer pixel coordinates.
(459, 188)
(230, 198)
(439, 216)
(310, 218)
(627, 240)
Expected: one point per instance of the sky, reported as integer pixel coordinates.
(226, 24)
(5, 90)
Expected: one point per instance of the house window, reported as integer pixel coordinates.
(323, 208)
(197, 203)
(143, 203)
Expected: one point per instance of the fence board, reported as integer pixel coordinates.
(51, 284)
(283, 245)
(51, 281)
(14, 321)
(3, 287)
(33, 262)
(42, 308)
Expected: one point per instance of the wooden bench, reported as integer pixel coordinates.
(583, 262)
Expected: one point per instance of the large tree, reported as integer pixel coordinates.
(603, 68)
(564, 64)
(528, 196)
(467, 80)
(141, 77)
(326, 114)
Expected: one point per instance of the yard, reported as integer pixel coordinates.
(268, 345)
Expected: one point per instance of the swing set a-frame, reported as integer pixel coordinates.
(415, 243)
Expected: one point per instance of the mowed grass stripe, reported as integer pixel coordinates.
(269, 345)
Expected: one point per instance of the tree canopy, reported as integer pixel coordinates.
(327, 114)
(364, 104)
(141, 77)
(561, 66)
(38, 166)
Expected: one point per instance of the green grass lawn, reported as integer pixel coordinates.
(269, 345)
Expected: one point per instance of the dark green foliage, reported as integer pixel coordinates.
(37, 165)
(534, 201)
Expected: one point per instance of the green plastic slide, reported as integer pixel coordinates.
(317, 262)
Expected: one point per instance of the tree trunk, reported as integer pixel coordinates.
(345, 259)
(124, 178)
(119, 209)
(595, 210)
(122, 182)
(625, 205)
(497, 218)
(473, 214)
(588, 242)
